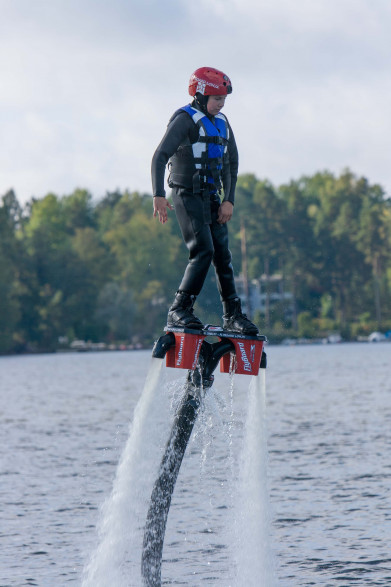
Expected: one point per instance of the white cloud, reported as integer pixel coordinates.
(88, 87)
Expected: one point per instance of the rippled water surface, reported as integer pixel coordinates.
(65, 422)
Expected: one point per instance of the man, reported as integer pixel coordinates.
(200, 149)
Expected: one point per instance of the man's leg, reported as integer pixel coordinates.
(197, 237)
(222, 260)
(234, 319)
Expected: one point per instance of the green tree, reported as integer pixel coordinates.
(10, 217)
(145, 251)
(373, 240)
(339, 266)
(65, 269)
(77, 210)
(299, 248)
(115, 311)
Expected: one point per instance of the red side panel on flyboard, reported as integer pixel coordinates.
(247, 357)
(185, 353)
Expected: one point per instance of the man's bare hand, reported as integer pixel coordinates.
(160, 206)
(225, 212)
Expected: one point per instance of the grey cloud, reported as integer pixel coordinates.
(95, 82)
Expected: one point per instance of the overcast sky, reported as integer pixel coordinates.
(87, 87)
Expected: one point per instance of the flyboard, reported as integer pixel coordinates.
(188, 349)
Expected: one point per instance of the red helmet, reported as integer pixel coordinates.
(209, 82)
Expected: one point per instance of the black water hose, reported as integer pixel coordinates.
(198, 380)
(155, 526)
(163, 489)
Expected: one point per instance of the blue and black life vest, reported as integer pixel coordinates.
(199, 165)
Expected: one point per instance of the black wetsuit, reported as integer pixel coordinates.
(205, 238)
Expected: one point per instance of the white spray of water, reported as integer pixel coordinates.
(255, 561)
(117, 559)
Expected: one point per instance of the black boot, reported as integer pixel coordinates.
(235, 320)
(181, 312)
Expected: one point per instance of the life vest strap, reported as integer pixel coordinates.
(216, 140)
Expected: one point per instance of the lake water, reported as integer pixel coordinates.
(324, 507)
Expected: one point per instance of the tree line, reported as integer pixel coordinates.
(106, 270)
